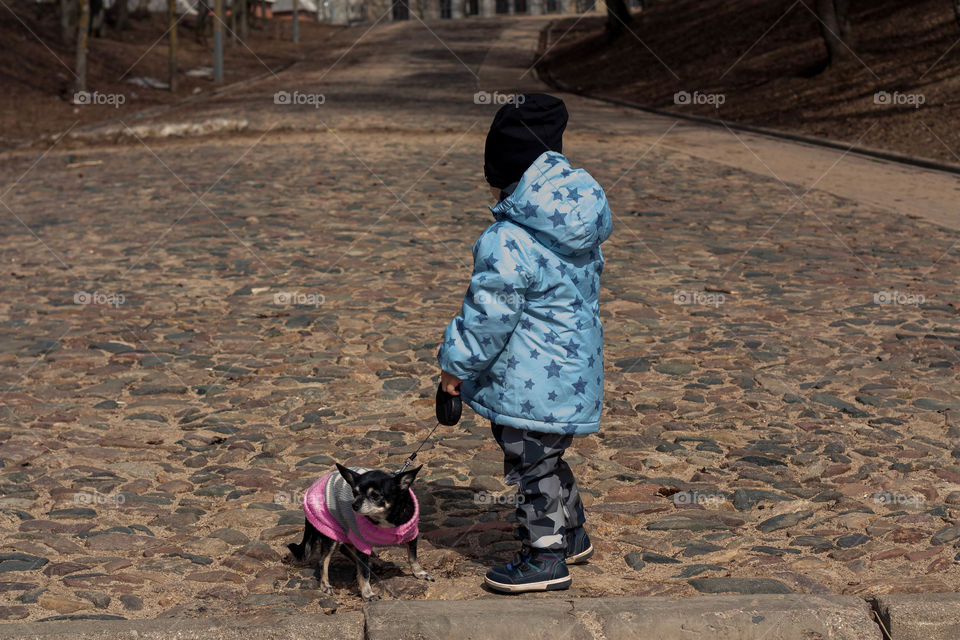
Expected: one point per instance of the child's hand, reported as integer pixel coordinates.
(450, 383)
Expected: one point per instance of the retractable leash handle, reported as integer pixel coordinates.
(449, 407)
(449, 410)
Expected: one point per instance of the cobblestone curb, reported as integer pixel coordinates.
(920, 616)
(726, 617)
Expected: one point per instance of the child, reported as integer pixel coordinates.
(528, 345)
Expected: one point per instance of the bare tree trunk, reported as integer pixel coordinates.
(172, 54)
(68, 10)
(296, 22)
(618, 17)
(242, 10)
(835, 29)
(123, 15)
(203, 13)
(843, 17)
(218, 41)
(83, 28)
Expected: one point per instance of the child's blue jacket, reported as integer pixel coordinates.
(528, 342)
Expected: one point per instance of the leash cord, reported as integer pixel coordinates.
(413, 455)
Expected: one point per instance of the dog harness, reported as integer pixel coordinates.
(328, 506)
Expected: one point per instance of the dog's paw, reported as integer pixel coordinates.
(422, 574)
(327, 589)
(372, 597)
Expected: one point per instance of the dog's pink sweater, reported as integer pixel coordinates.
(364, 534)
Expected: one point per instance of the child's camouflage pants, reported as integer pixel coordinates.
(550, 500)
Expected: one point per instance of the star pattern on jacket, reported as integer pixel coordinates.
(572, 348)
(580, 386)
(529, 211)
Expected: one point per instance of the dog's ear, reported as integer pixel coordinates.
(406, 478)
(348, 475)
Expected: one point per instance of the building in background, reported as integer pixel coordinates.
(352, 11)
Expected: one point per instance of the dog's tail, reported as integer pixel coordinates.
(299, 550)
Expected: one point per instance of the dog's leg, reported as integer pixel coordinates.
(327, 549)
(363, 572)
(415, 568)
(363, 577)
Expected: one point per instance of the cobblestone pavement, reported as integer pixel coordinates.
(194, 329)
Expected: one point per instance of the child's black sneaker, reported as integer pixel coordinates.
(579, 548)
(541, 570)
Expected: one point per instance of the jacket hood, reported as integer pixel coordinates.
(564, 208)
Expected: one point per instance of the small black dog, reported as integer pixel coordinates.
(353, 510)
